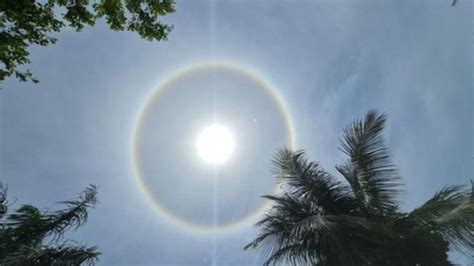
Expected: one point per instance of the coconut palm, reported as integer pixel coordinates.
(29, 236)
(319, 220)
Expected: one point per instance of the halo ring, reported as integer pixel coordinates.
(164, 212)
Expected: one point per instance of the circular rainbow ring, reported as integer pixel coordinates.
(163, 211)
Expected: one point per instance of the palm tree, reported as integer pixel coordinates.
(319, 220)
(29, 236)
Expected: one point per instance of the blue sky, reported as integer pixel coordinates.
(330, 61)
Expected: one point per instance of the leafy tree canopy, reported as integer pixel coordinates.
(30, 22)
(29, 236)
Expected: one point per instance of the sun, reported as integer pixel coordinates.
(215, 144)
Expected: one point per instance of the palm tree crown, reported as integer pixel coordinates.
(318, 220)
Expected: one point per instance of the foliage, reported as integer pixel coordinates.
(319, 220)
(30, 22)
(29, 236)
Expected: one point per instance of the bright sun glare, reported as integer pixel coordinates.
(215, 144)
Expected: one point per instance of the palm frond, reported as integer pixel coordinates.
(369, 169)
(294, 254)
(28, 227)
(63, 254)
(307, 180)
(274, 237)
(286, 210)
(75, 214)
(439, 205)
(296, 230)
(450, 212)
(3, 200)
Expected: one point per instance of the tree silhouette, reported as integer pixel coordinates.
(30, 22)
(319, 220)
(29, 236)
